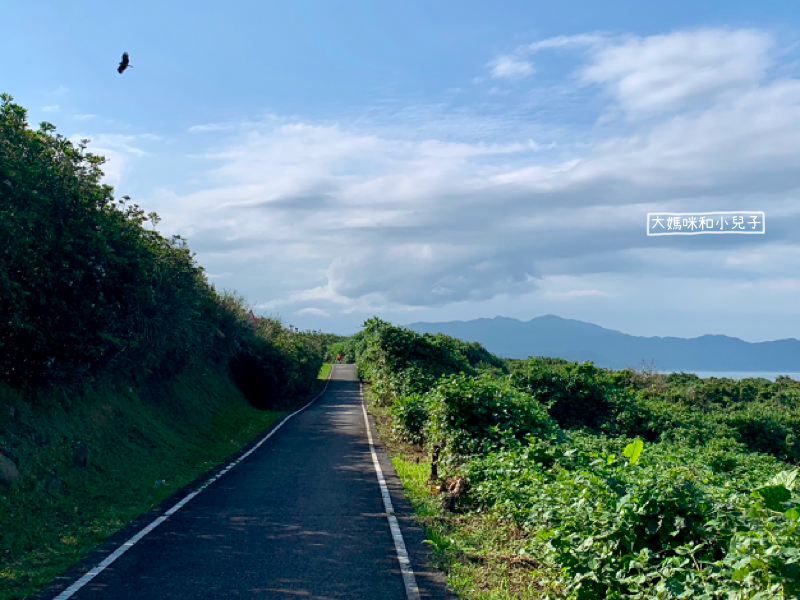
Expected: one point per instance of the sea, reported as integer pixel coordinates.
(771, 375)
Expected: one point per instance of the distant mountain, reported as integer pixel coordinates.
(578, 341)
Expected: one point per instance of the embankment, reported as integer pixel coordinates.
(90, 465)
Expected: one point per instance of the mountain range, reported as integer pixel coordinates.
(573, 340)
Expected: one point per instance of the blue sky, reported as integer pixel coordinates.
(449, 160)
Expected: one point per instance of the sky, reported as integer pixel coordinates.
(438, 161)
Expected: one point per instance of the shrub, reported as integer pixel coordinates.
(83, 284)
(472, 415)
(767, 426)
(697, 510)
(576, 395)
(399, 362)
(411, 418)
(666, 525)
(87, 291)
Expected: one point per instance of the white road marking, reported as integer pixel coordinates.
(70, 591)
(412, 591)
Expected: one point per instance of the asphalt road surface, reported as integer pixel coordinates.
(302, 517)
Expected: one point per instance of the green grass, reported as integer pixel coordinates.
(59, 512)
(478, 552)
(324, 371)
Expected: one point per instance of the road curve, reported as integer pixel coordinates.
(301, 517)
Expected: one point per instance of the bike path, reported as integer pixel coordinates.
(302, 517)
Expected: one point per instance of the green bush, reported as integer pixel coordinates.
(576, 395)
(765, 428)
(762, 415)
(473, 415)
(476, 355)
(343, 346)
(399, 362)
(702, 508)
(761, 425)
(666, 525)
(89, 292)
(84, 285)
(411, 418)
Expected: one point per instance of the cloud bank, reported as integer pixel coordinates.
(320, 218)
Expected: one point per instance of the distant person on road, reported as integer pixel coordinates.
(338, 358)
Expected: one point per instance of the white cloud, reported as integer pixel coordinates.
(510, 67)
(356, 218)
(53, 108)
(518, 66)
(313, 311)
(574, 293)
(565, 41)
(428, 223)
(119, 150)
(667, 72)
(113, 141)
(83, 117)
(208, 127)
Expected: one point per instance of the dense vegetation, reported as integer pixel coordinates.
(622, 484)
(89, 292)
(123, 373)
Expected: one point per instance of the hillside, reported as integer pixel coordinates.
(573, 340)
(124, 374)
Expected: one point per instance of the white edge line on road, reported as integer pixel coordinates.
(70, 591)
(412, 591)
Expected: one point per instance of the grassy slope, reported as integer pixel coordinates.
(60, 512)
(477, 552)
(324, 371)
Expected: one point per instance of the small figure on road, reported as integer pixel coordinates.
(339, 358)
(124, 64)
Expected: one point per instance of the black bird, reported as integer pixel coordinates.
(124, 64)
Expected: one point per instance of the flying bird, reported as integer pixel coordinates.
(124, 64)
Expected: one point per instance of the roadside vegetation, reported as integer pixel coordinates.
(124, 374)
(548, 479)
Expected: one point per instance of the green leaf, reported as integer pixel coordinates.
(110, 338)
(653, 526)
(633, 451)
(787, 479)
(773, 495)
(792, 514)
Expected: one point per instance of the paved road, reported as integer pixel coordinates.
(302, 517)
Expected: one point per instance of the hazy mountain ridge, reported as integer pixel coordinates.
(551, 335)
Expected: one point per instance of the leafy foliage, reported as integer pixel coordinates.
(474, 415)
(577, 395)
(88, 291)
(763, 415)
(411, 415)
(665, 526)
(625, 484)
(94, 304)
(343, 346)
(400, 362)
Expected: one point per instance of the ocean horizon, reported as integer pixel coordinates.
(771, 375)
